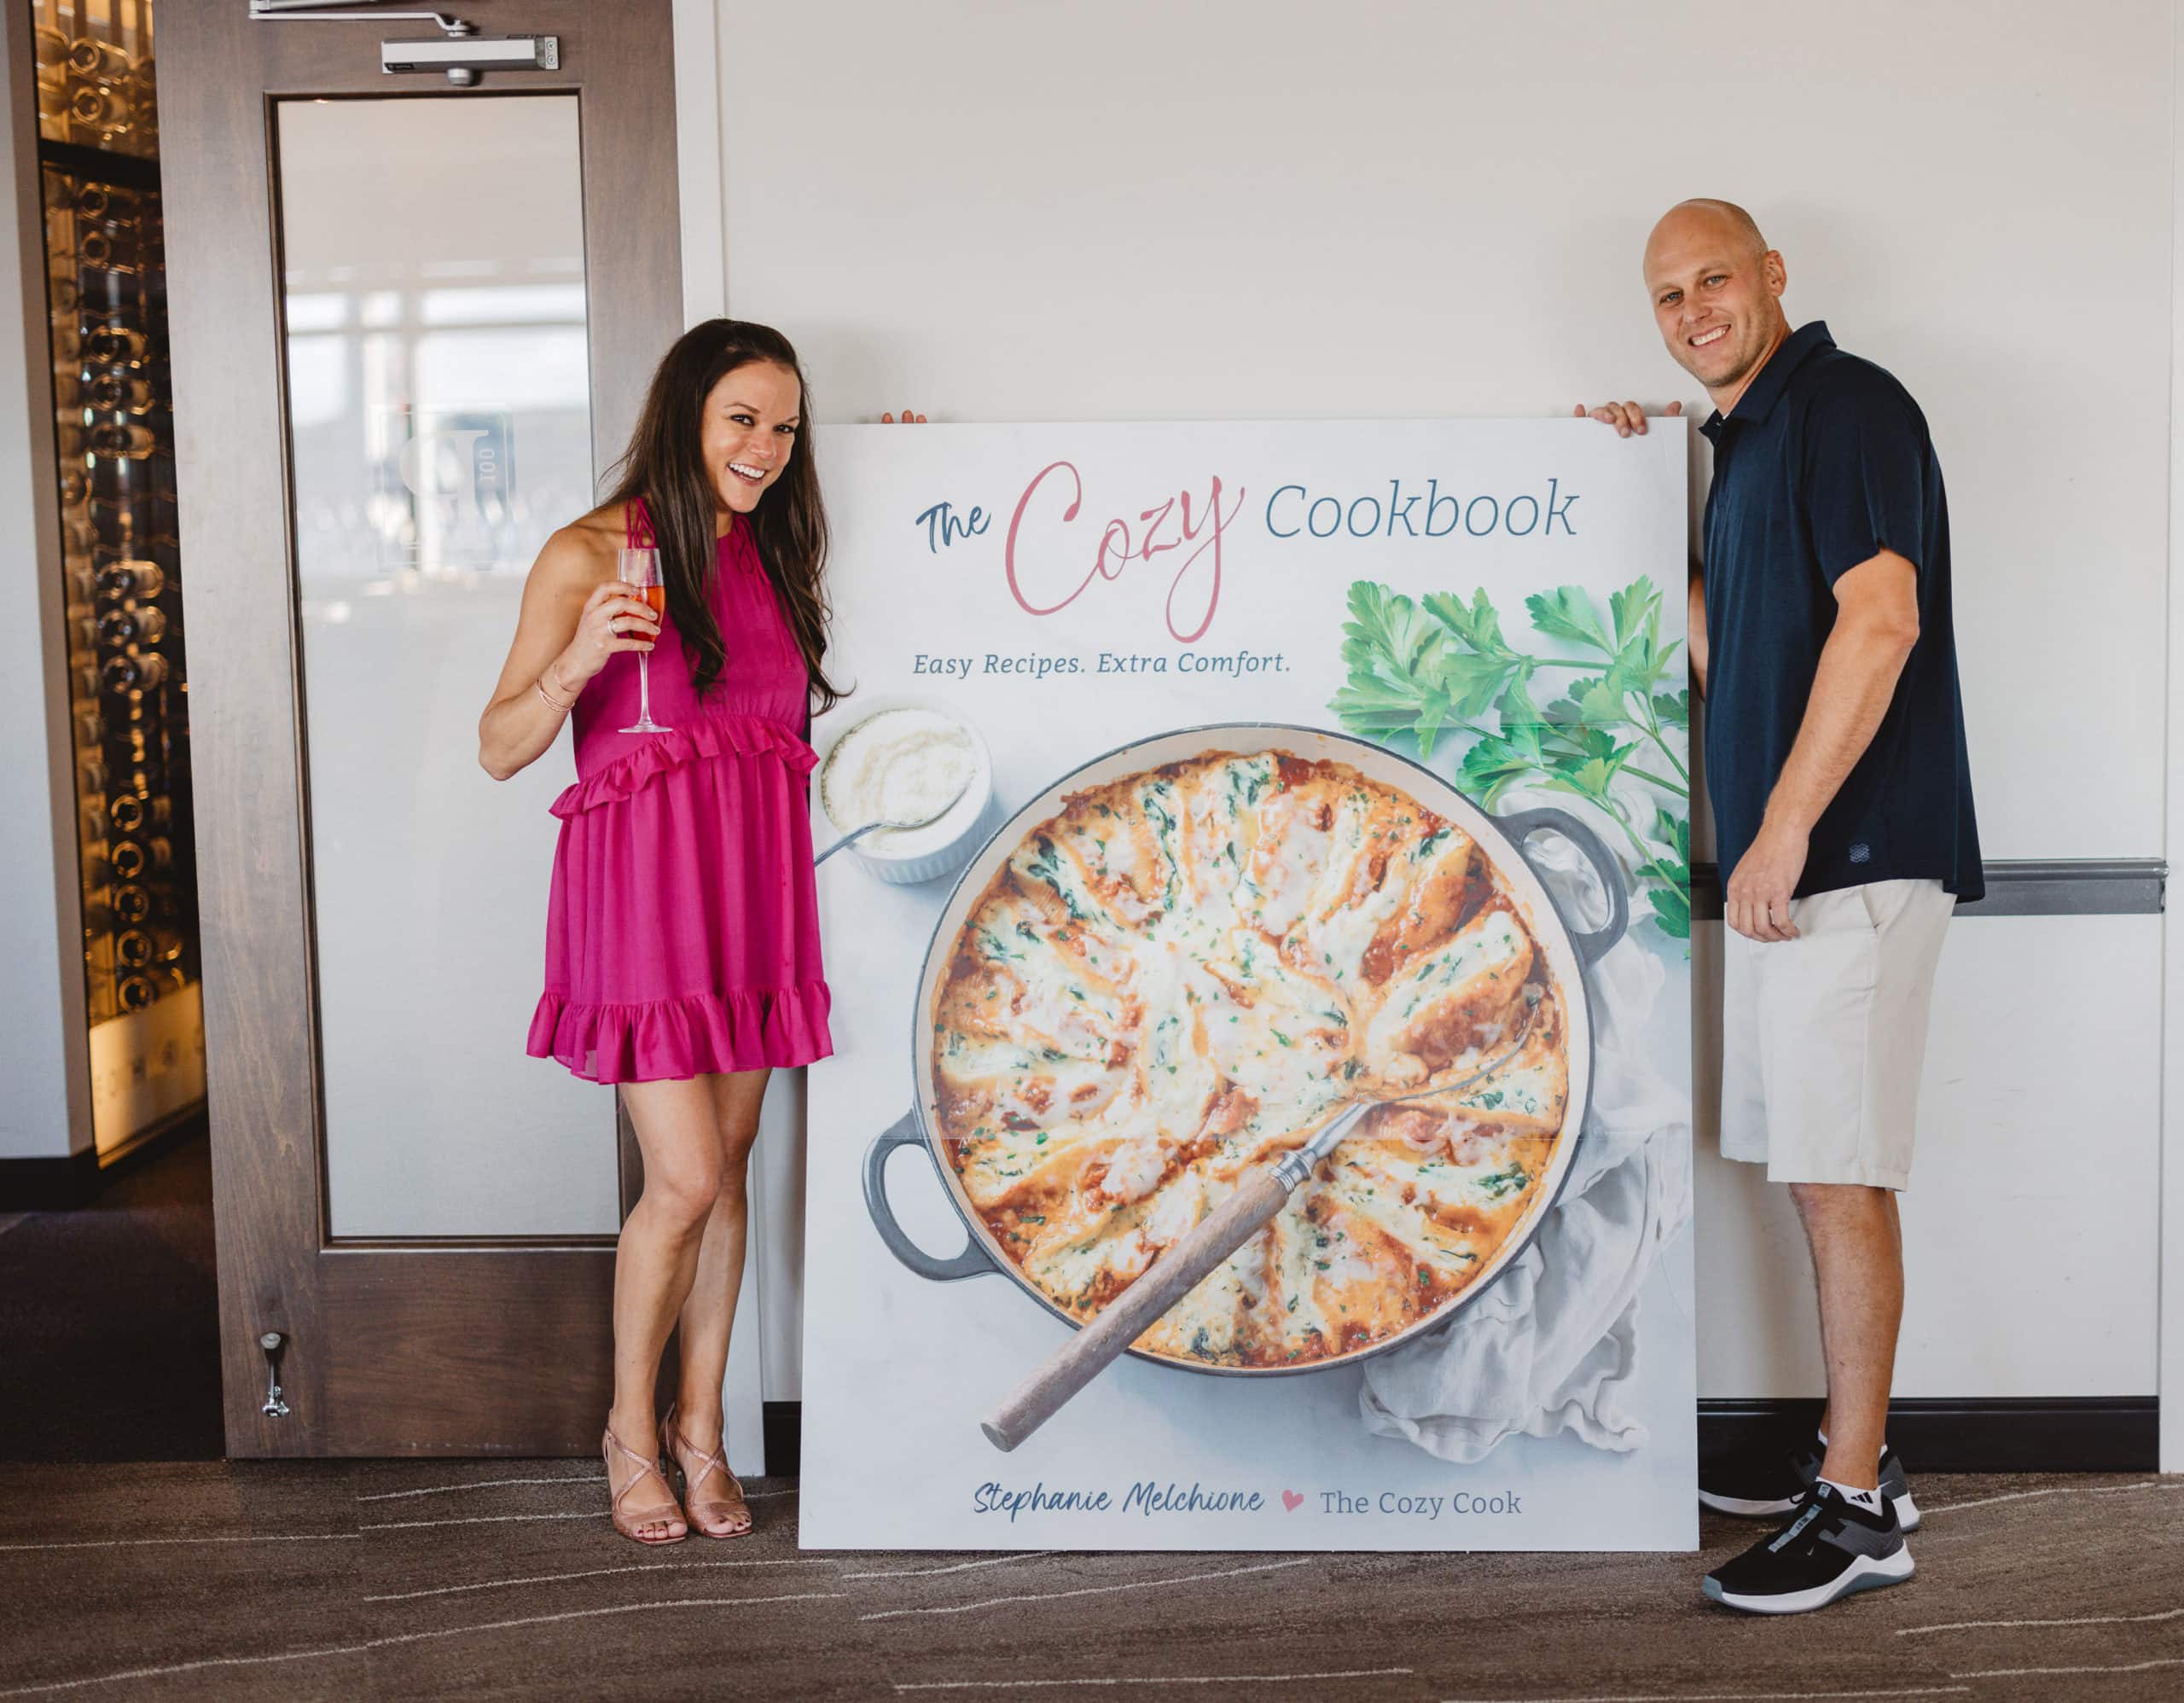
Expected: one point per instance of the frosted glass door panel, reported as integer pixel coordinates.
(440, 420)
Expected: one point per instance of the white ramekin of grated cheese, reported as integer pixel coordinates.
(900, 763)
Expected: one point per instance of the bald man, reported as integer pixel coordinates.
(1835, 756)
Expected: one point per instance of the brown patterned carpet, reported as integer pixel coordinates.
(180, 1578)
(501, 1579)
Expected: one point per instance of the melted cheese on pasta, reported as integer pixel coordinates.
(1189, 971)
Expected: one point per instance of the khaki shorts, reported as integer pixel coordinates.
(1823, 1037)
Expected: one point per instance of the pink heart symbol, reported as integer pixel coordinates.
(1291, 1500)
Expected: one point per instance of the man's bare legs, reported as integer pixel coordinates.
(1856, 1239)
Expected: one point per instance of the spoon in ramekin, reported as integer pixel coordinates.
(856, 834)
(1178, 1269)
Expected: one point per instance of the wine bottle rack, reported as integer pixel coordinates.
(114, 430)
(97, 78)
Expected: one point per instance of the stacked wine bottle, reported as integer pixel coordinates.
(97, 80)
(113, 431)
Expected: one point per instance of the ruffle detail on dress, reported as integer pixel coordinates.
(709, 736)
(698, 1034)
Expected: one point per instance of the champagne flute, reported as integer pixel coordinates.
(639, 572)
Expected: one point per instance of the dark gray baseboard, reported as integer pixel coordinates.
(61, 1185)
(2038, 1435)
(49, 1185)
(2032, 887)
(2058, 1434)
(784, 1433)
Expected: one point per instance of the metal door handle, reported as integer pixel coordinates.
(275, 1408)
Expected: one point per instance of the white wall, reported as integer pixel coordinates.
(2172, 1211)
(1139, 210)
(2032, 1228)
(44, 1082)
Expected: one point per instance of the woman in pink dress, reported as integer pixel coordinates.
(682, 937)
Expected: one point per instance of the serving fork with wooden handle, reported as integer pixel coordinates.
(1178, 1268)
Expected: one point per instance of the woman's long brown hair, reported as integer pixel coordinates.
(664, 466)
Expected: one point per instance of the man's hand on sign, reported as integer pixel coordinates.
(1757, 901)
(1627, 417)
(909, 418)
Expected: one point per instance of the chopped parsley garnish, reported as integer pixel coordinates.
(1496, 1184)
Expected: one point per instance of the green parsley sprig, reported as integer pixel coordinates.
(1438, 666)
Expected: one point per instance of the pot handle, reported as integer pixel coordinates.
(1521, 825)
(904, 1131)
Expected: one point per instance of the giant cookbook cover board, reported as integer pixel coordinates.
(1304, 869)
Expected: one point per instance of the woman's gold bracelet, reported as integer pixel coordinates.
(552, 702)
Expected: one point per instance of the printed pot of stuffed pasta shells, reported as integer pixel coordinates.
(1185, 956)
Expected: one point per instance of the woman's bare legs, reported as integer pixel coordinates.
(709, 1308)
(656, 1262)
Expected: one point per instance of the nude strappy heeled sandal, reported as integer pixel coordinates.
(705, 1512)
(629, 1522)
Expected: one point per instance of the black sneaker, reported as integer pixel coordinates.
(1831, 1548)
(1770, 1486)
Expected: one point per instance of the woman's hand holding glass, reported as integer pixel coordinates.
(613, 620)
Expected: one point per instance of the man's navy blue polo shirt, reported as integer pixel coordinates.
(1824, 462)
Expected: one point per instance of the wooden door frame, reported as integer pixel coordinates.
(352, 1307)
